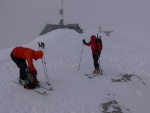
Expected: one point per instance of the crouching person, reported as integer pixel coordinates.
(27, 73)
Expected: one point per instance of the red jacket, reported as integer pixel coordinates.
(26, 54)
(94, 45)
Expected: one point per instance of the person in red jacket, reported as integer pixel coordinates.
(22, 54)
(96, 48)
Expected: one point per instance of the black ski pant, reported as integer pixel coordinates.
(21, 63)
(95, 60)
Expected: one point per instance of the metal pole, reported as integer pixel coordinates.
(41, 47)
(80, 57)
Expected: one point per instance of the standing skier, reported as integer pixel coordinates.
(28, 73)
(96, 47)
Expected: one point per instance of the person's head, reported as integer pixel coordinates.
(93, 38)
(38, 55)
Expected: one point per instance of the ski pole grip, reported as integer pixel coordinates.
(42, 45)
(39, 44)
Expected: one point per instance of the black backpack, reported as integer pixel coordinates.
(98, 39)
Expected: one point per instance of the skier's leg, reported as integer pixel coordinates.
(96, 64)
(21, 65)
(95, 60)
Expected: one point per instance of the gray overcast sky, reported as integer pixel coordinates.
(21, 21)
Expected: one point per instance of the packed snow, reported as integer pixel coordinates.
(124, 87)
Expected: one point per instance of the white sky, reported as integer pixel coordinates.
(21, 21)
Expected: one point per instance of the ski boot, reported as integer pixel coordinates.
(97, 71)
(23, 82)
(94, 71)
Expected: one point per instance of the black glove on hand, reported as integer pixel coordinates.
(84, 41)
(34, 73)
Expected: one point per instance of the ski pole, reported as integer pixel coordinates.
(99, 60)
(100, 67)
(41, 47)
(80, 57)
(99, 64)
(44, 64)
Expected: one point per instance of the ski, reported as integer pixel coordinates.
(46, 87)
(38, 89)
(91, 75)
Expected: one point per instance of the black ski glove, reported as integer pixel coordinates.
(84, 41)
(33, 73)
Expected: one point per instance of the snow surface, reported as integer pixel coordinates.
(73, 92)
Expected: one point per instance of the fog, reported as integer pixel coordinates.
(21, 21)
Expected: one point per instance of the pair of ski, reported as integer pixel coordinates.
(41, 89)
(94, 74)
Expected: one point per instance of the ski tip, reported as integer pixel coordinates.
(50, 88)
(40, 92)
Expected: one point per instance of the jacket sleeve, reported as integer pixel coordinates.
(88, 44)
(29, 58)
(30, 63)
